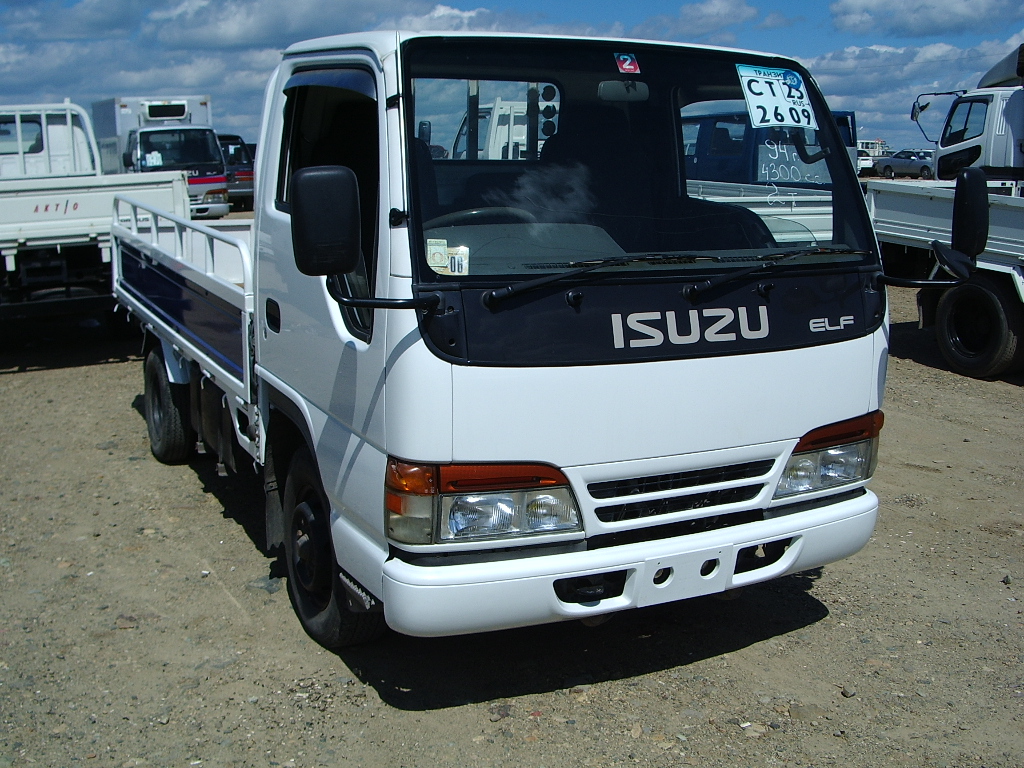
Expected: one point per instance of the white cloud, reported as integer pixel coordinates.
(84, 20)
(776, 20)
(880, 82)
(921, 18)
(444, 18)
(699, 21)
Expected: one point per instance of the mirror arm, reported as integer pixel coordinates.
(905, 282)
(427, 301)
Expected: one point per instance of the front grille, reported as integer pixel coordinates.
(672, 530)
(634, 511)
(677, 480)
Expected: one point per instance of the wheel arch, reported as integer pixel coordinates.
(176, 365)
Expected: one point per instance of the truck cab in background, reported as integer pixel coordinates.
(146, 134)
(979, 323)
(55, 212)
(984, 127)
(238, 162)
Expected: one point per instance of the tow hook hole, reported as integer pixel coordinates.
(709, 567)
(662, 575)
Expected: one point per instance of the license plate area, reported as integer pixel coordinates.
(679, 577)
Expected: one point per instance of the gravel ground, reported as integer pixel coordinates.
(142, 624)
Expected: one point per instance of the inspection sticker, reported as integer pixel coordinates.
(627, 63)
(446, 260)
(776, 97)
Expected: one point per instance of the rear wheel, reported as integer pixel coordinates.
(926, 172)
(888, 172)
(166, 405)
(313, 584)
(979, 327)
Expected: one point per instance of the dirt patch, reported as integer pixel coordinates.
(142, 625)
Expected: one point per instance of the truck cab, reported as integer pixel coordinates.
(985, 126)
(554, 372)
(41, 140)
(143, 135)
(194, 150)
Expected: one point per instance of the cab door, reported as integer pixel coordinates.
(328, 361)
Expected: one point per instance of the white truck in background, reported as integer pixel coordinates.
(55, 211)
(146, 134)
(979, 324)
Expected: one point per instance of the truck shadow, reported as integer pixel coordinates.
(908, 342)
(432, 673)
(66, 342)
(241, 495)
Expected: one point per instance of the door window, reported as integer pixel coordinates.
(331, 119)
(966, 121)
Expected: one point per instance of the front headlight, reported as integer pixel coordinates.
(524, 513)
(216, 196)
(442, 504)
(832, 456)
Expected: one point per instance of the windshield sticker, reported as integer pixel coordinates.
(154, 159)
(447, 261)
(627, 63)
(776, 97)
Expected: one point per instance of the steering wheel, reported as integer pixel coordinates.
(497, 215)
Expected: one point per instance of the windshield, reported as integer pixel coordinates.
(235, 152)
(179, 147)
(534, 157)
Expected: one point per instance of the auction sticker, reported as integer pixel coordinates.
(447, 260)
(776, 97)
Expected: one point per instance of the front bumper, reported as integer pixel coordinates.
(210, 211)
(479, 597)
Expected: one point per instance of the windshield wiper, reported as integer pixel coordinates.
(492, 297)
(765, 262)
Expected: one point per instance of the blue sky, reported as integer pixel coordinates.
(872, 56)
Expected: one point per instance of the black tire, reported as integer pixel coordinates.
(316, 593)
(926, 172)
(979, 326)
(171, 437)
(888, 172)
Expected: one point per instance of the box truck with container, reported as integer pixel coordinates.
(139, 134)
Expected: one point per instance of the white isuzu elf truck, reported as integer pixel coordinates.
(494, 389)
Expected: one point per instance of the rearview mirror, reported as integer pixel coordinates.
(325, 220)
(623, 90)
(970, 225)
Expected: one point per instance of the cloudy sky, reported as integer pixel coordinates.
(873, 56)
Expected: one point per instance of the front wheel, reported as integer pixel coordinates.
(979, 325)
(166, 405)
(313, 585)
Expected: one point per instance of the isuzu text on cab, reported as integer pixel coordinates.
(494, 389)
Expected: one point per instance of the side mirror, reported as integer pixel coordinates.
(423, 132)
(970, 225)
(325, 220)
(126, 158)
